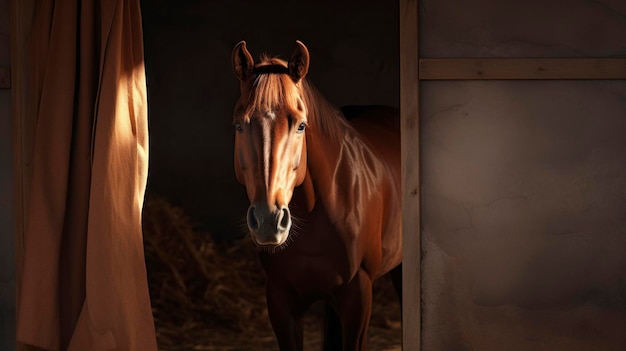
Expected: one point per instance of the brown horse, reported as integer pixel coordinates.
(325, 207)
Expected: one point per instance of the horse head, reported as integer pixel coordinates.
(270, 121)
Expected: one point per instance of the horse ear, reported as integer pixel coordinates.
(242, 61)
(299, 62)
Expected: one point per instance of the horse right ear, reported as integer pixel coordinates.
(298, 64)
(243, 64)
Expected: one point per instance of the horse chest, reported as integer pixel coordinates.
(315, 266)
(307, 276)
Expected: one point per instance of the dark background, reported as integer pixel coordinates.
(192, 90)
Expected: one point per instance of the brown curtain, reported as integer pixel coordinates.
(84, 284)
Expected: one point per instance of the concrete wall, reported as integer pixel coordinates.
(7, 264)
(524, 183)
(192, 90)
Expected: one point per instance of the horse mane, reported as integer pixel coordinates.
(272, 87)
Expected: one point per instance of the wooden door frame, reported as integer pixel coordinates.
(409, 110)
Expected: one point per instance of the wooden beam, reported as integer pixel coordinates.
(409, 109)
(5, 77)
(521, 68)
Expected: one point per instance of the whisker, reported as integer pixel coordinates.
(242, 227)
(296, 223)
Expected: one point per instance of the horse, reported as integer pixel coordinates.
(325, 200)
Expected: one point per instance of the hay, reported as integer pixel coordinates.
(200, 292)
(210, 296)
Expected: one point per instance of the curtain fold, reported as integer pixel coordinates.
(84, 283)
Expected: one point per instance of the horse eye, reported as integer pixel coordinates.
(301, 127)
(238, 127)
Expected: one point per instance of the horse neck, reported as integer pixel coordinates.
(326, 142)
(323, 153)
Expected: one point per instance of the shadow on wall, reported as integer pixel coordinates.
(192, 90)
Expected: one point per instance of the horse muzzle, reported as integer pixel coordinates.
(268, 228)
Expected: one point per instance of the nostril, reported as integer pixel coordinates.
(284, 219)
(253, 223)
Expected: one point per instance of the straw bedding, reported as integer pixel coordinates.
(210, 296)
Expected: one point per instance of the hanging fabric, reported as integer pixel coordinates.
(84, 283)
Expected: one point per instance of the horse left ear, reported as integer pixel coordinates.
(299, 62)
(242, 61)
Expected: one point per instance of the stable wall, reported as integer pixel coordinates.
(192, 90)
(523, 182)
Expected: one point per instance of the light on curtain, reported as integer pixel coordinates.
(84, 284)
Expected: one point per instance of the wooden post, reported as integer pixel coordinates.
(409, 109)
